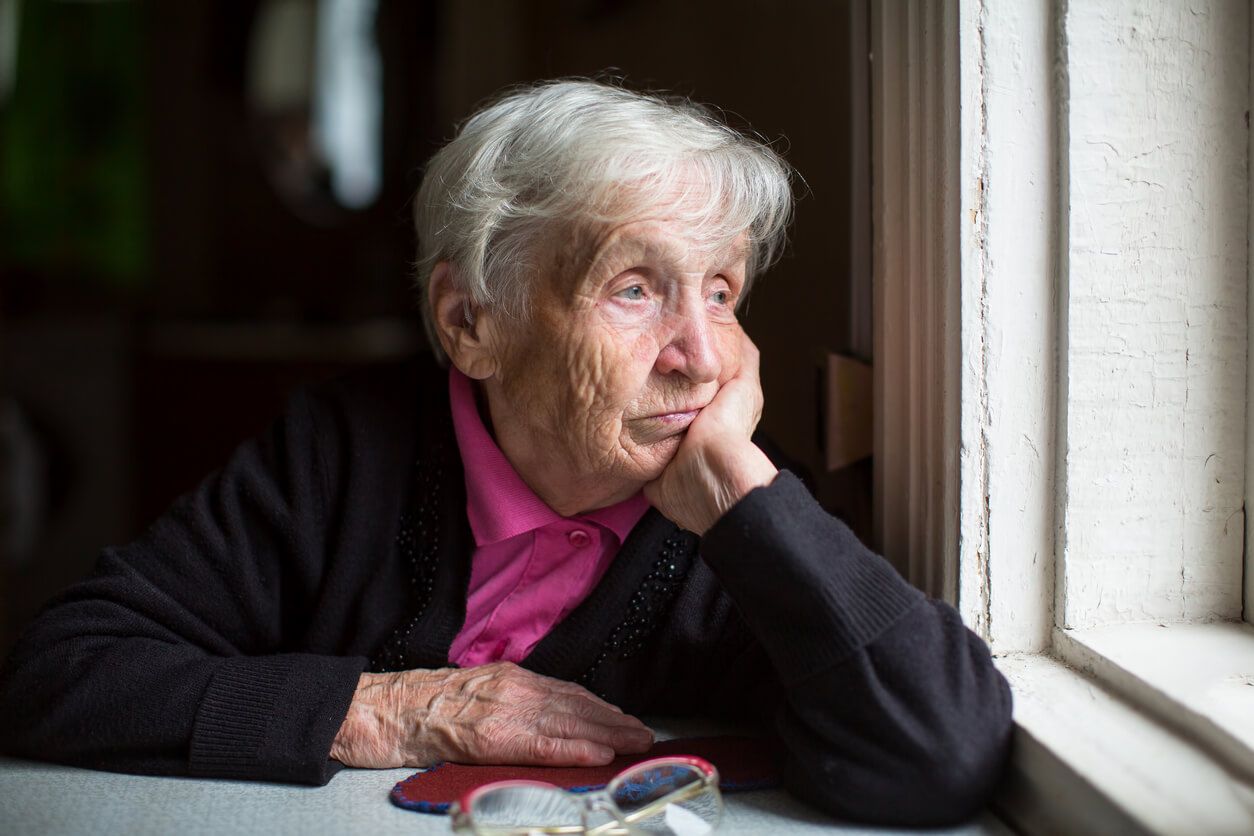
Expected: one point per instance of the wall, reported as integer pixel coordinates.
(1104, 230)
(1156, 250)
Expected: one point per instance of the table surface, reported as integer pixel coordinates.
(43, 798)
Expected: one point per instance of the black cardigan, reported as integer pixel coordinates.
(228, 639)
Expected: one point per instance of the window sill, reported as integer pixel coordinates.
(1196, 678)
(1086, 761)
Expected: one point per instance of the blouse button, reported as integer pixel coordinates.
(578, 538)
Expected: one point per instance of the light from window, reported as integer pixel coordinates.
(347, 105)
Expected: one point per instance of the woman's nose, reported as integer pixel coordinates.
(691, 349)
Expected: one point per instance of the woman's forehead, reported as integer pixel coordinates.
(684, 209)
(668, 238)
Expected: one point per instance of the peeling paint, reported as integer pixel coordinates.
(1156, 344)
(1008, 322)
(981, 242)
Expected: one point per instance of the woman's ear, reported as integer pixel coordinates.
(458, 324)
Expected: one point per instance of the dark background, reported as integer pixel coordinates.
(173, 262)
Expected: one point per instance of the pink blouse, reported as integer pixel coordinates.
(531, 566)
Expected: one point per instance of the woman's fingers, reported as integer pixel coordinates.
(593, 713)
(572, 698)
(598, 712)
(565, 687)
(717, 462)
(737, 407)
(621, 739)
(501, 713)
(542, 750)
(577, 715)
(551, 721)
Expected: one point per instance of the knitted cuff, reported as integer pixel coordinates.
(273, 718)
(810, 592)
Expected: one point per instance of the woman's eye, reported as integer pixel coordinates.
(721, 297)
(635, 293)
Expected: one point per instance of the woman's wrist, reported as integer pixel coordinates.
(351, 729)
(748, 468)
(364, 738)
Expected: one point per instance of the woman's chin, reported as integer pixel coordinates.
(654, 457)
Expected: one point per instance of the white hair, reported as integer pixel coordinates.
(562, 156)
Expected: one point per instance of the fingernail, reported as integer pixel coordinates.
(636, 738)
(605, 753)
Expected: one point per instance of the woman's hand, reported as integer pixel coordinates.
(717, 463)
(498, 713)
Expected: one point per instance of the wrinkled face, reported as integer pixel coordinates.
(625, 343)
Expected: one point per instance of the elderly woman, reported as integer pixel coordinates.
(492, 560)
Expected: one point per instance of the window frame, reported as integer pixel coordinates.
(1247, 594)
(970, 184)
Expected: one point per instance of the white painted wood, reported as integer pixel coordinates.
(1033, 782)
(1086, 271)
(1248, 594)
(1156, 321)
(1196, 678)
(1102, 237)
(915, 280)
(1111, 769)
(973, 579)
(1100, 346)
(1009, 321)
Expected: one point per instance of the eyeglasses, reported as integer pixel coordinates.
(675, 796)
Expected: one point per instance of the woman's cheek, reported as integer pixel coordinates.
(629, 315)
(597, 360)
(729, 344)
(631, 334)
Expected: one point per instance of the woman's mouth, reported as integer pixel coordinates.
(684, 418)
(670, 423)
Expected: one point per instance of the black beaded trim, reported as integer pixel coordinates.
(649, 606)
(418, 544)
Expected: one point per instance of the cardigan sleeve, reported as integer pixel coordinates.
(889, 710)
(169, 658)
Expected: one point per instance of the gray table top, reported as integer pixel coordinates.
(43, 798)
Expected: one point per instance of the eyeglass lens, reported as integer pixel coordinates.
(527, 808)
(667, 799)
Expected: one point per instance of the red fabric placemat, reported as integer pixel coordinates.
(744, 763)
